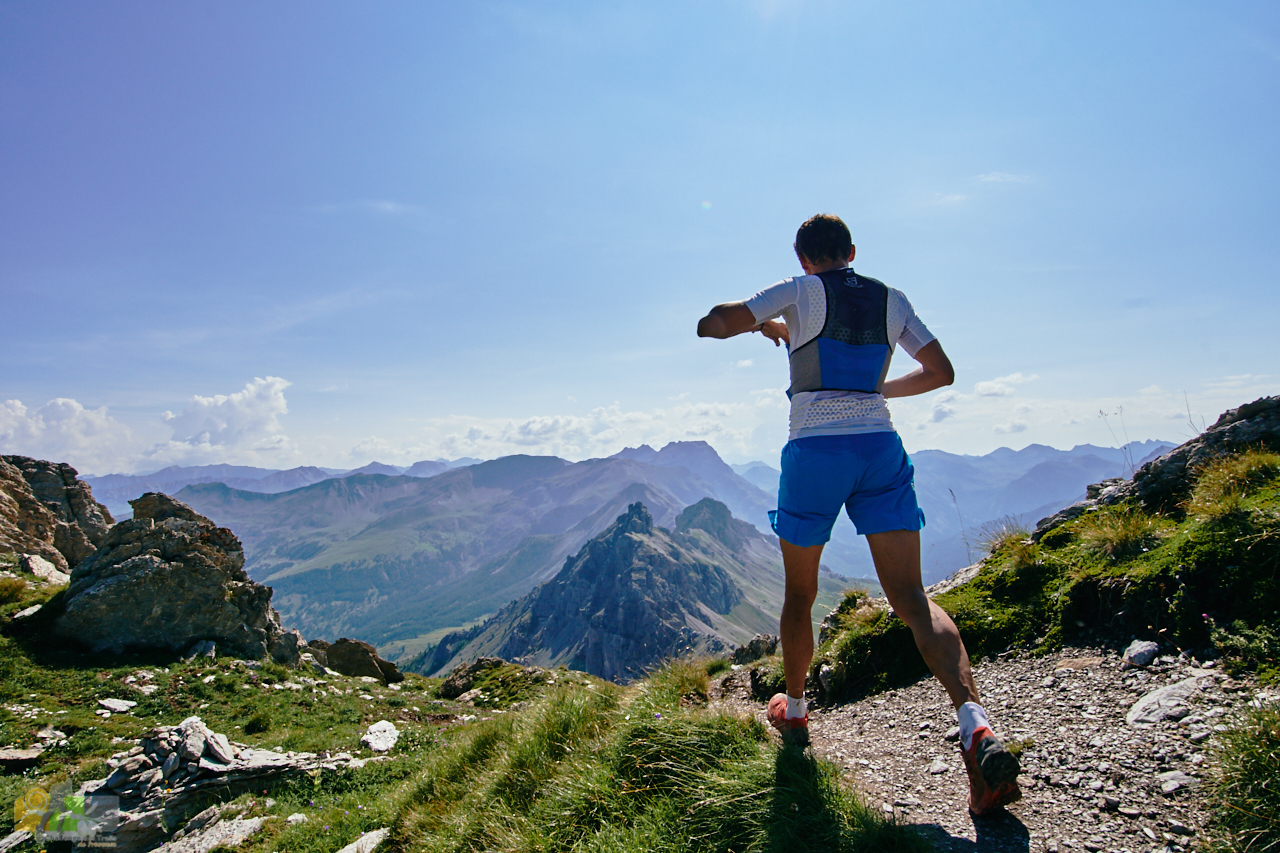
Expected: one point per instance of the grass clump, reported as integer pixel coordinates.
(1122, 531)
(1222, 485)
(1010, 538)
(1247, 785)
(628, 770)
(12, 589)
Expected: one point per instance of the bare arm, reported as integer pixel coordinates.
(935, 370)
(734, 318)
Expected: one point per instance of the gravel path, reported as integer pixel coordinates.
(1091, 780)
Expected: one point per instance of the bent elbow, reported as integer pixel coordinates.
(949, 376)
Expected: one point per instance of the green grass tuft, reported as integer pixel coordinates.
(1223, 484)
(1247, 785)
(1121, 531)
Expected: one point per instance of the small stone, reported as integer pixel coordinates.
(1200, 736)
(938, 767)
(953, 734)
(296, 818)
(1179, 828)
(1108, 803)
(1129, 811)
(1141, 652)
(367, 842)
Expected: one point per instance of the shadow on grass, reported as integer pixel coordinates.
(812, 811)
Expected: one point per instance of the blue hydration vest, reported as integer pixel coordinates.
(852, 351)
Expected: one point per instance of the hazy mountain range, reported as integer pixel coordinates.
(401, 556)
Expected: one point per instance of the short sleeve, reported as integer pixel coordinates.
(774, 300)
(911, 333)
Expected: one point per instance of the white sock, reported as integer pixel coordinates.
(972, 717)
(796, 708)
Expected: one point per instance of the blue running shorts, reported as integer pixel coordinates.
(868, 473)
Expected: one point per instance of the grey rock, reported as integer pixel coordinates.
(194, 736)
(1175, 780)
(938, 767)
(46, 511)
(1165, 703)
(219, 748)
(296, 818)
(1141, 652)
(170, 764)
(759, 646)
(381, 736)
(117, 706)
(357, 658)
(223, 833)
(43, 569)
(366, 843)
(164, 580)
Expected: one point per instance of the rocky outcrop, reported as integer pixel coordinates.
(174, 772)
(167, 579)
(1164, 483)
(632, 597)
(45, 510)
(357, 658)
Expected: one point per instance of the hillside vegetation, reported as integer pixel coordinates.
(544, 760)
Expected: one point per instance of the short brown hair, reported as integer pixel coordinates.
(823, 238)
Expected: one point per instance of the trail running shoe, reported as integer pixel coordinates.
(993, 773)
(794, 730)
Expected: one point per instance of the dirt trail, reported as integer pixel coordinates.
(1091, 781)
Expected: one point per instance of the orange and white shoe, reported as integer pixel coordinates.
(794, 730)
(993, 773)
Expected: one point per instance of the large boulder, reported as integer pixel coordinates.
(356, 658)
(45, 510)
(167, 579)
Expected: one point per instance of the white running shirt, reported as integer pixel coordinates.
(802, 303)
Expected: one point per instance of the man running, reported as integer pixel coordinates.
(840, 330)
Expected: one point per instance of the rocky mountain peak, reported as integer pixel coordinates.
(714, 517)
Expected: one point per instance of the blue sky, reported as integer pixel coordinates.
(322, 233)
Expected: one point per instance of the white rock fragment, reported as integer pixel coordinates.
(116, 706)
(366, 843)
(381, 736)
(296, 818)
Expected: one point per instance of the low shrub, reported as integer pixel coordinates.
(12, 589)
(1008, 539)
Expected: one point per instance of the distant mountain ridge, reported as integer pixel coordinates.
(401, 557)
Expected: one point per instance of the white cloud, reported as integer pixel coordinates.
(1001, 386)
(1014, 425)
(746, 362)
(950, 199)
(1002, 178)
(240, 427)
(62, 430)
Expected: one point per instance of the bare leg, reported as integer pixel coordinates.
(896, 554)
(796, 628)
